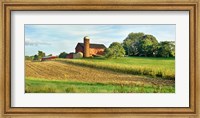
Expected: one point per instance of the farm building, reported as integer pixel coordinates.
(74, 55)
(48, 58)
(70, 55)
(90, 49)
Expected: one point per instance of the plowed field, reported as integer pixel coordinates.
(53, 70)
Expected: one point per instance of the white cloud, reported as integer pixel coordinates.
(29, 42)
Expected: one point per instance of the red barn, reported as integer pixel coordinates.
(90, 49)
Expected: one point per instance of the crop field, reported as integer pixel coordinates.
(154, 67)
(63, 75)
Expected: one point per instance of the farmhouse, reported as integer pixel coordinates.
(90, 49)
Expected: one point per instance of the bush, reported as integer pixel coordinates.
(62, 55)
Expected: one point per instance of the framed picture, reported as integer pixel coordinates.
(100, 57)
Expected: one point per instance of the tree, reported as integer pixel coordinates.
(62, 55)
(35, 57)
(166, 49)
(50, 55)
(147, 46)
(115, 50)
(41, 54)
(131, 39)
(29, 57)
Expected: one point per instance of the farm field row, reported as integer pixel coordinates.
(153, 67)
(76, 78)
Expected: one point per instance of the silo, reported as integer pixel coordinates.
(86, 46)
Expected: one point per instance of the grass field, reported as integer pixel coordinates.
(39, 85)
(71, 76)
(153, 67)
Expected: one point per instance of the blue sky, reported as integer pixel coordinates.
(54, 39)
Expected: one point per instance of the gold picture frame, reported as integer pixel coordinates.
(96, 5)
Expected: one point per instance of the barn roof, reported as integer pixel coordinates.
(93, 45)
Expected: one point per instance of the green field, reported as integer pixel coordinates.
(148, 66)
(38, 85)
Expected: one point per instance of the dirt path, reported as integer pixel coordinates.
(62, 71)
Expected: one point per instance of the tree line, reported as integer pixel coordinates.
(140, 44)
(41, 54)
(37, 56)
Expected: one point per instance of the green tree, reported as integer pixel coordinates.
(129, 41)
(62, 55)
(115, 50)
(41, 54)
(147, 46)
(166, 49)
(35, 57)
(29, 57)
(50, 55)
